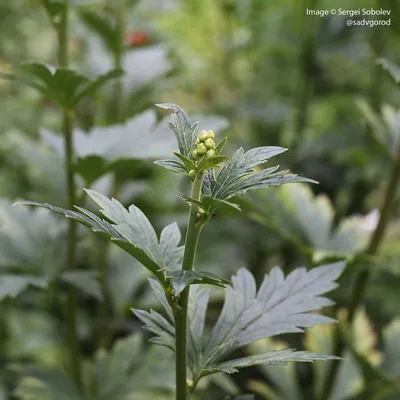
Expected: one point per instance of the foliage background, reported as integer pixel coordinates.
(260, 72)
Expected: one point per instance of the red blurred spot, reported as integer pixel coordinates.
(136, 38)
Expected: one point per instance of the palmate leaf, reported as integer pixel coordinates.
(391, 68)
(62, 85)
(12, 285)
(130, 229)
(281, 305)
(237, 175)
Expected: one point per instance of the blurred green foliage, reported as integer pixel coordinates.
(261, 72)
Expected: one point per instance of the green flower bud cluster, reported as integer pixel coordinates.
(205, 145)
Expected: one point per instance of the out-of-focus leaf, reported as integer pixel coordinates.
(391, 362)
(386, 127)
(129, 369)
(307, 220)
(283, 379)
(104, 25)
(13, 285)
(90, 168)
(181, 279)
(53, 7)
(47, 385)
(31, 240)
(349, 381)
(83, 280)
(34, 335)
(62, 85)
(125, 279)
(125, 372)
(45, 172)
(391, 68)
(378, 128)
(138, 138)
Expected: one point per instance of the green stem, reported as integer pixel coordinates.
(102, 253)
(180, 314)
(305, 74)
(73, 342)
(118, 54)
(363, 278)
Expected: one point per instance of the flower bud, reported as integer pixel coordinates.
(209, 143)
(211, 134)
(203, 136)
(210, 153)
(195, 155)
(201, 149)
(201, 210)
(192, 173)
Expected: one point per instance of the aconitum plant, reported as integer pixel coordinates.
(280, 305)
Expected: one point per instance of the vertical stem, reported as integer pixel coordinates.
(306, 57)
(72, 227)
(375, 95)
(102, 251)
(364, 276)
(180, 315)
(118, 54)
(103, 246)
